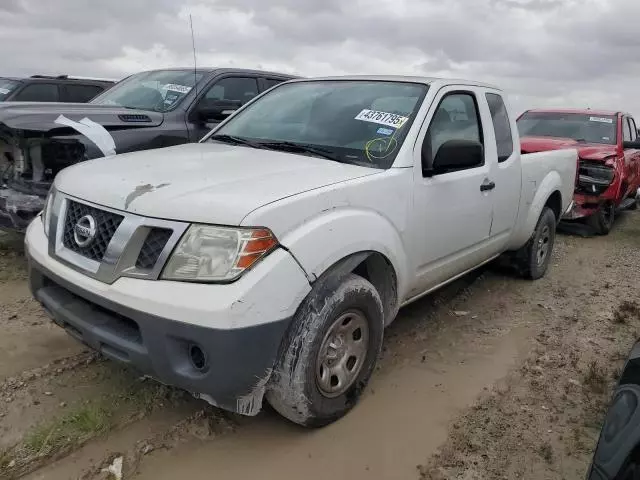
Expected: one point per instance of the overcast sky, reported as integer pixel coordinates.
(544, 52)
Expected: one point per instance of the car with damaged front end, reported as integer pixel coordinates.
(608, 146)
(267, 259)
(152, 109)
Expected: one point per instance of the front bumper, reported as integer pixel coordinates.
(199, 343)
(581, 207)
(17, 209)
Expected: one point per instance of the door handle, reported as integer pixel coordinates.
(486, 186)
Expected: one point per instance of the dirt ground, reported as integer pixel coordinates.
(491, 378)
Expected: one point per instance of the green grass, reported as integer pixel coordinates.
(70, 429)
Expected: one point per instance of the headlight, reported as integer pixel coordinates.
(217, 254)
(46, 211)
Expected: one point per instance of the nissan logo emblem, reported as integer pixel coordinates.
(84, 231)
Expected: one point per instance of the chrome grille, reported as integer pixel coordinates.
(106, 225)
(152, 247)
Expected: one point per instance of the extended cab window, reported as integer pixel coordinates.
(455, 119)
(38, 92)
(501, 126)
(363, 122)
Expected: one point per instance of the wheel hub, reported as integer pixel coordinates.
(342, 354)
(542, 249)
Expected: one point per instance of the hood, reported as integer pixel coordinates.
(586, 151)
(201, 182)
(40, 116)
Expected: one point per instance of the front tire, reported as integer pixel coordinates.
(329, 352)
(602, 221)
(535, 256)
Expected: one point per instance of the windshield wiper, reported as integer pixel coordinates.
(300, 148)
(233, 140)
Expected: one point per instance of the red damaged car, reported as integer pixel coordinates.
(608, 146)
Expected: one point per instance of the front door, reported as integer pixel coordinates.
(631, 156)
(453, 210)
(233, 89)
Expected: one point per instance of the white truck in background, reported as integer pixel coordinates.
(266, 260)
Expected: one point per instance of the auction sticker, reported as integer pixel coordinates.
(601, 119)
(4, 91)
(382, 118)
(177, 88)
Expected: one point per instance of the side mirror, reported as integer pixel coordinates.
(457, 154)
(632, 145)
(215, 111)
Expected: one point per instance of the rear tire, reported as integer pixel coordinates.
(533, 259)
(602, 221)
(329, 352)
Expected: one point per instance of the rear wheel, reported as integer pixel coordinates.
(602, 221)
(533, 259)
(329, 352)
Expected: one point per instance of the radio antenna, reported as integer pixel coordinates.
(193, 45)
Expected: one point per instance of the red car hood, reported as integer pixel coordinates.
(587, 151)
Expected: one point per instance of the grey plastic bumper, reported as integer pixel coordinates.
(233, 371)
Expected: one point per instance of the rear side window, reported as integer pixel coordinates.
(38, 92)
(81, 93)
(501, 126)
(271, 82)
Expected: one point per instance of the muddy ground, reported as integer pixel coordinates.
(491, 378)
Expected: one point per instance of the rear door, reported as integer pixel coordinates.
(78, 93)
(267, 82)
(38, 92)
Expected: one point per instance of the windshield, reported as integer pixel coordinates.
(6, 87)
(158, 91)
(360, 122)
(579, 127)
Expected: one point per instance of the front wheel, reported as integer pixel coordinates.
(602, 221)
(535, 256)
(329, 352)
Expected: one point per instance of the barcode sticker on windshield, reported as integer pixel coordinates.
(4, 91)
(382, 118)
(177, 88)
(601, 119)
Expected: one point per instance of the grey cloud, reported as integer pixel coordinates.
(541, 50)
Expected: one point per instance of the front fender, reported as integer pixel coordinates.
(322, 241)
(534, 198)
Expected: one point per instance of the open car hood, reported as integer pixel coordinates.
(40, 116)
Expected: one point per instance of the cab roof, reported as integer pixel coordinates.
(405, 78)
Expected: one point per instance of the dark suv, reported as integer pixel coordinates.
(43, 88)
(152, 109)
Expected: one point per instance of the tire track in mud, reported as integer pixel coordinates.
(443, 358)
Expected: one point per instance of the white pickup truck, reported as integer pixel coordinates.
(266, 260)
